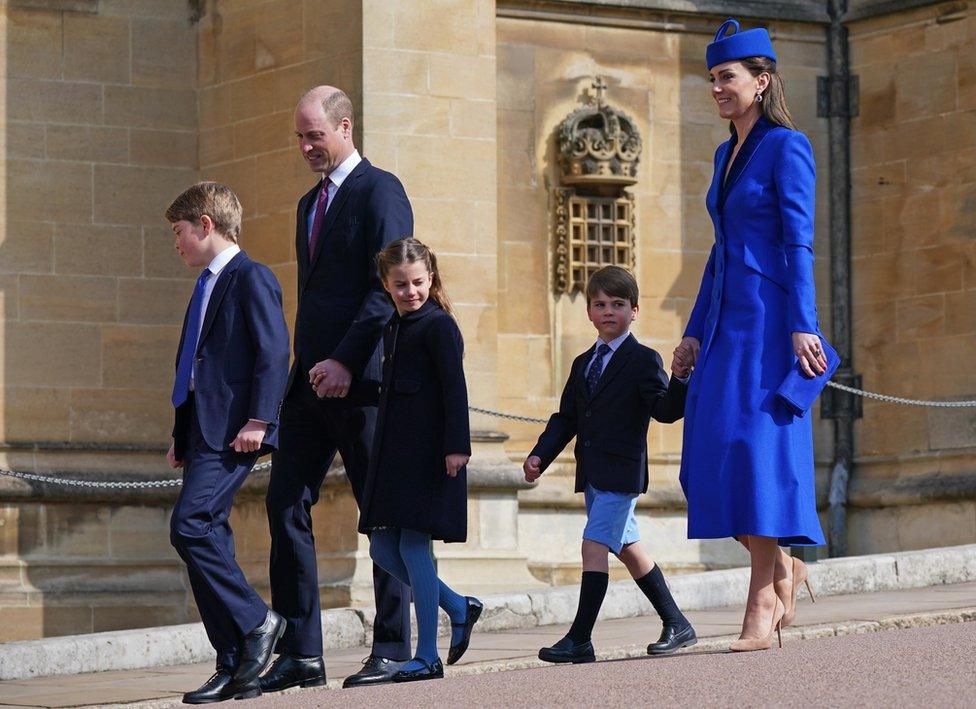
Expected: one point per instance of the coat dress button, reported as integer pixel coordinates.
(588, 414)
(586, 445)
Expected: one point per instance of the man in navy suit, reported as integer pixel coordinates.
(231, 368)
(351, 214)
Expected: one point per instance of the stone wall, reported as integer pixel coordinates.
(914, 259)
(659, 79)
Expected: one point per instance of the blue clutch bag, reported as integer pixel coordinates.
(798, 391)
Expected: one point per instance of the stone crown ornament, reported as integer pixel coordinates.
(599, 146)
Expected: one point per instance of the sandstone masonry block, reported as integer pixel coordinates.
(33, 44)
(68, 298)
(96, 48)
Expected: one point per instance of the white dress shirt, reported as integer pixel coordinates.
(215, 267)
(334, 182)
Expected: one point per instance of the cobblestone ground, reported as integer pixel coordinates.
(933, 666)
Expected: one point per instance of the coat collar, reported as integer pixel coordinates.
(220, 289)
(755, 138)
(426, 309)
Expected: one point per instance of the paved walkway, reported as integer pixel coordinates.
(504, 650)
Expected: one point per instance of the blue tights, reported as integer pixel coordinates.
(405, 554)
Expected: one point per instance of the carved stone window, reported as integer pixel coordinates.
(599, 148)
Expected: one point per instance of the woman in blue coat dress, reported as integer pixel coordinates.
(747, 462)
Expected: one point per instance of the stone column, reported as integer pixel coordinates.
(429, 115)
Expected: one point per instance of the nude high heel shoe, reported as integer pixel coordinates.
(751, 644)
(800, 575)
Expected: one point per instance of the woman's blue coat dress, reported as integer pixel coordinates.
(747, 462)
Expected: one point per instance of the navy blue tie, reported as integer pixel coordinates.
(596, 369)
(184, 369)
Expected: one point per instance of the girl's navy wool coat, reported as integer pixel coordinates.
(423, 416)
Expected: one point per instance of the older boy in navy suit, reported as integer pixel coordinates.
(231, 368)
(613, 391)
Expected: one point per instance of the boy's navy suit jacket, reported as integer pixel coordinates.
(342, 306)
(241, 362)
(610, 425)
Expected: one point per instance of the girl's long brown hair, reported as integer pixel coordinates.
(773, 105)
(410, 250)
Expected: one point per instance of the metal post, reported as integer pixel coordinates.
(841, 96)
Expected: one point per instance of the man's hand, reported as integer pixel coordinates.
(330, 378)
(685, 356)
(171, 457)
(807, 347)
(250, 437)
(455, 461)
(532, 467)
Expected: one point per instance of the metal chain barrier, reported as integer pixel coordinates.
(900, 400)
(175, 482)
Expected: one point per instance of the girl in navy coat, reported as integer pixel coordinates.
(747, 461)
(416, 488)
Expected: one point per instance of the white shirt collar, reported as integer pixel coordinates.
(223, 258)
(614, 343)
(344, 169)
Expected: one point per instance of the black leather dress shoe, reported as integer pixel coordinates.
(673, 637)
(257, 648)
(288, 671)
(568, 651)
(432, 670)
(216, 689)
(474, 612)
(376, 670)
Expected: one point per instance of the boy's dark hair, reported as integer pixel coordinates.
(616, 282)
(215, 200)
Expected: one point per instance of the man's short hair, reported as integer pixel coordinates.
(616, 282)
(337, 106)
(215, 200)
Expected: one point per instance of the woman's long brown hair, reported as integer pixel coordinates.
(773, 105)
(410, 250)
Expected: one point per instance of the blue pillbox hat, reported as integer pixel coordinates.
(738, 45)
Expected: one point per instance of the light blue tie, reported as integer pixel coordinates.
(184, 368)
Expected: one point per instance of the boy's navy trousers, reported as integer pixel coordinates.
(201, 534)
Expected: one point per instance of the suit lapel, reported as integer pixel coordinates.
(746, 152)
(338, 201)
(220, 289)
(714, 197)
(581, 374)
(616, 363)
(301, 242)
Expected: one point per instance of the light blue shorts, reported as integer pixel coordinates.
(610, 518)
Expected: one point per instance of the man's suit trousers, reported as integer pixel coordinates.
(312, 431)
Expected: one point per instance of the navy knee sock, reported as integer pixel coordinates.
(429, 592)
(656, 589)
(592, 592)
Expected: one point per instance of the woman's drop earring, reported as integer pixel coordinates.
(758, 98)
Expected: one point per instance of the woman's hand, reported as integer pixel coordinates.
(685, 355)
(454, 462)
(807, 348)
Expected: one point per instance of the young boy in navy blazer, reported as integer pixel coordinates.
(614, 389)
(231, 368)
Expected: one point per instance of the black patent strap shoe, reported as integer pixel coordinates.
(566, 650)
(257, 649)
(288, 671)
(430, 670)
(474, 612)
(673, 638)
(376, 670)
(218, 688)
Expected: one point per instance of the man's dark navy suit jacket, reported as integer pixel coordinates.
(241, 362)
(610, 425)
(342, 306)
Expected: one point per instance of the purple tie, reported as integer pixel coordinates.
(320, 207)
(596, 369)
